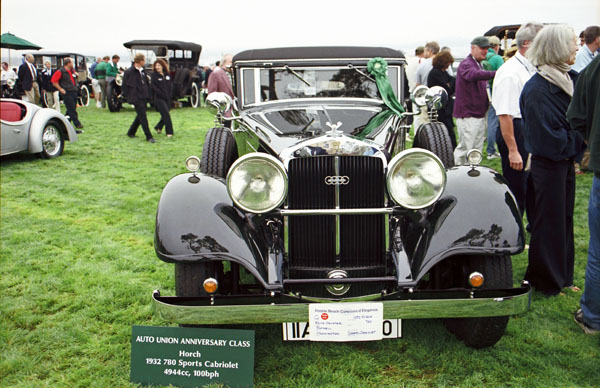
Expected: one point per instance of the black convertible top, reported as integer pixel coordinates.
(170, 44)
(334, 53)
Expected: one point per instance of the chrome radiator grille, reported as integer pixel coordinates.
(352, 242)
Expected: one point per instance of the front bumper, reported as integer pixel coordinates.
(279, 308)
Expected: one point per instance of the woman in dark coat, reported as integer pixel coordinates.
(438, 76)
(554, 147)
(162, 91)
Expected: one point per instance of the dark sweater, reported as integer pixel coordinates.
(547, 132)
(162, 87)
(584, 112)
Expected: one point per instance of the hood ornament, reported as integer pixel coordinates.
(334, 128)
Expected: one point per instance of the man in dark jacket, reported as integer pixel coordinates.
(584, 116)
(65, 80)
(29, 78)
(136, 91)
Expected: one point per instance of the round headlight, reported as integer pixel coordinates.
(416, 178)
(192, 163)
(257, 182)
(474, 157)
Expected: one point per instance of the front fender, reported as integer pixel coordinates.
(477, 215)
(196, 221)
(39, 121)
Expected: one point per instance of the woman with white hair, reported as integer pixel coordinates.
(554, 147)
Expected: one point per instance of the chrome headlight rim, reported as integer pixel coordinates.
(272, 160)
(407, 153)
(193, 164)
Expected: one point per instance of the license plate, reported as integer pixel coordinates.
(299, 331)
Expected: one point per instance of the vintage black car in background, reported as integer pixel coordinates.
(182, 58)
(314, 197)
(56, 59)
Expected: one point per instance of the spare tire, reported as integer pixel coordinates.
(219, 152)
(435, 138)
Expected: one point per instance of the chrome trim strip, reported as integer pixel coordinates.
(338, 237)
(454, 305)
(334, 212)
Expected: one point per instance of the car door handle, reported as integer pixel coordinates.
(17, 130)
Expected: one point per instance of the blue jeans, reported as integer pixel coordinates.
(590, 300)
(492, 127)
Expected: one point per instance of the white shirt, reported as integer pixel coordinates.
(508, 84)
(423, 71)
(412, 63)
(583, 58)
(8, 74)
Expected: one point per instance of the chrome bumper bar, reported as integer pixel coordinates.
(253, 309)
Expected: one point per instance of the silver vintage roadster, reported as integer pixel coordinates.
(28, 127)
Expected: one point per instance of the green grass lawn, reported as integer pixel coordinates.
(77, 268)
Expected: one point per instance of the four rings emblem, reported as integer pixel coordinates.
(337, 180)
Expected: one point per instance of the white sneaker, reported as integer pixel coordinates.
(98, 104)
(495, 155)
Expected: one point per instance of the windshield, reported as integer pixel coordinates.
(263, 85)
(311, 121)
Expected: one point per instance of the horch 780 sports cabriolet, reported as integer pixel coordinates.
(313, 198)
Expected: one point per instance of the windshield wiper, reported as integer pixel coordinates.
(303, 130)
(350, 66)
(289, 69)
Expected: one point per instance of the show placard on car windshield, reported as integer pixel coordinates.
(343, 322)
(192, 357)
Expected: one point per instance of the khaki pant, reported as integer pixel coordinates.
(471, 133)
(102, 84)
(53, 100)
(33, 95)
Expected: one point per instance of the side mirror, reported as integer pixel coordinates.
(436, 97)
(221, 101)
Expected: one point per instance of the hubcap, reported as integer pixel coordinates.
(51, 140)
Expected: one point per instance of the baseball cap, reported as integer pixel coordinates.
(481, 41)
(494, 40)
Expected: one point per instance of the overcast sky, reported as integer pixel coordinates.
(100, 27)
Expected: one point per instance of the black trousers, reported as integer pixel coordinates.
(551, 249)
(70, 99)
(519, 182)
(162, 107)
(140, 118)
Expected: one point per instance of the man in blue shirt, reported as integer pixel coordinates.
(589, 49)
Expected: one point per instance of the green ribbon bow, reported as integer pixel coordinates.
(378, 68)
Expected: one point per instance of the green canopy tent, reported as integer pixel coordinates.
(11, 41)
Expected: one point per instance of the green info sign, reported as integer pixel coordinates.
(191, 357)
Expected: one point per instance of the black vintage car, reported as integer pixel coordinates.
(314, 197)
(182, 58)
(56, 59)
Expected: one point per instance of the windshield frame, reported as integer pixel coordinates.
(282, 67)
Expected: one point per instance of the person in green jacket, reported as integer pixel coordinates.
(492, 61)
(112, 69)
(101, 77)
(583, 116)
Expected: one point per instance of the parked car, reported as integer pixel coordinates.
(314, 197)
(28, 127)
(182, 58)
(56, 59)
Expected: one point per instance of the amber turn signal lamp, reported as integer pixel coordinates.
(210, 285)
(476, 279)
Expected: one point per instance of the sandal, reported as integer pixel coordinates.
(574, 288)
(158, 130)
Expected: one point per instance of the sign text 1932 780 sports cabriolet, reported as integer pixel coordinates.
(313, 198)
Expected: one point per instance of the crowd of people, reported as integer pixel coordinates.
(137, 91)
(541, 109)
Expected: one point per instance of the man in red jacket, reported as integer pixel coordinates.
(471, 103)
